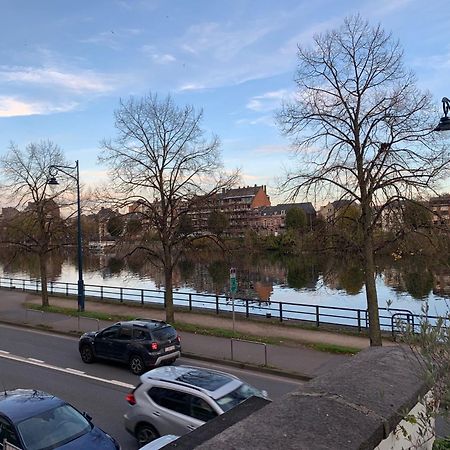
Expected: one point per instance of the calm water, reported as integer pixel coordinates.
(299, 280)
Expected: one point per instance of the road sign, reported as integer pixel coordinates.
(233, 281)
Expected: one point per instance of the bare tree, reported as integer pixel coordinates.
(361, 130)
(163, 168)
(37, 227)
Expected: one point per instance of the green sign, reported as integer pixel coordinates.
(233, 285)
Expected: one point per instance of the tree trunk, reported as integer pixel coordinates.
(43, 271)
(371, 294)
(168, 295)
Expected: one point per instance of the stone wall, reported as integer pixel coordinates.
(358, 405)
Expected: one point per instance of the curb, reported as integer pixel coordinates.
(236, 364)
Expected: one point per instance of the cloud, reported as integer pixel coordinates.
(12, 107)
(223, 42)
(264, 120)
(268, 101)
(192, 87)
(159, 58)
(84, 81)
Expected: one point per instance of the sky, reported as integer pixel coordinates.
(64, 66)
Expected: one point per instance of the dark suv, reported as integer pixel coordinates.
(140, 343)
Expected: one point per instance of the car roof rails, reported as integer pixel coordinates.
(143, 319)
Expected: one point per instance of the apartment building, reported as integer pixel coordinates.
(272, 219)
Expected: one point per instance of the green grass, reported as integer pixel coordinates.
(333, 348)
(74, 313)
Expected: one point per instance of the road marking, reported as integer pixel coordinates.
(35, 360)
(121, 383)
(74, 371)
(79, 373)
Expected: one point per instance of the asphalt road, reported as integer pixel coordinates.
(40, 360)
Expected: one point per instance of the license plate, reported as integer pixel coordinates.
(169, 349)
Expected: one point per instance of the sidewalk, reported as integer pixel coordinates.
(290, 357)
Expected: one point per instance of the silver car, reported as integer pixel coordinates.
(178, 399)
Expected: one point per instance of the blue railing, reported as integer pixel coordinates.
(280, 311)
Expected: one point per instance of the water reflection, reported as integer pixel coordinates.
(263, 278)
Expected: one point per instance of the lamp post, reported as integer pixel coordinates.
(52, 181)
(444, 123)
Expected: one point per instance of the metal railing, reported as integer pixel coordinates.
(252, 343)
(318, 315)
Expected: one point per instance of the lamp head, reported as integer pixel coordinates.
(444, 124)
(52, 181)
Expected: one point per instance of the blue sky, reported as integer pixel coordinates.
(64, 65)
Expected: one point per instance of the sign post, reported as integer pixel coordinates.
(233, 290)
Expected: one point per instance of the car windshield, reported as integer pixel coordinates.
(237, 396)
(53, 428)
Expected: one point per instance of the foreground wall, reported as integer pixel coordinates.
(356, 406)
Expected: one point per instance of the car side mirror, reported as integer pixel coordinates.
(87, 416)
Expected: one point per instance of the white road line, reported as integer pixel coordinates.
(36, 360)
(121, 383)
(74, 371)
(79, 373)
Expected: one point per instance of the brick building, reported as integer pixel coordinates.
(272, 219)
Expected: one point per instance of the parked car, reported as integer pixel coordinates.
(160, 442)
(140, 343)
(178, 399)
(33, 420)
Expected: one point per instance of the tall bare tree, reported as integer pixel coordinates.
(37, 227)
(163, 167)
(362, 130)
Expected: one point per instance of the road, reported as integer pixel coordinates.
(50, 362)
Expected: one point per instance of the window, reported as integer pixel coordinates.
(201, 410)
(164, 334)
(110, 333)
(173, 400)
(125, 333)
(7, 432)
(140, 334)
(53, 428)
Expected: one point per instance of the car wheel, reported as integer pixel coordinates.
(146, 433)
(87, 355)
(136, 364)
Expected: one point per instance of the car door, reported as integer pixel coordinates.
(120, 343)
(173, 416)
(104, 340)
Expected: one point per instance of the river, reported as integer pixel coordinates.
(309, 280)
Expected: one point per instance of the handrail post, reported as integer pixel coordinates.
(23, 285)
(190, 302)
(142, 296)
(101, 292)
(247, 314)
(121, 294)
(217, 304)
(317, 316)
(281, 311)
(359, 320)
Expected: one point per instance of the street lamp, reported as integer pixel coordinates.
(444, 123)
(52, 181)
